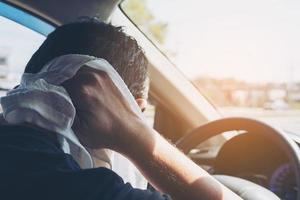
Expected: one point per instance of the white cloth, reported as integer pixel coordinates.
(40, 100)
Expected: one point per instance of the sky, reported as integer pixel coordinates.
(256, 41)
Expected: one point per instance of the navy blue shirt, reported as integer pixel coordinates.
(34, 167)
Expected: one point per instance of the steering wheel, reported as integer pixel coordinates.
(245, 189)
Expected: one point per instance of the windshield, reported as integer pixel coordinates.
(241, 55)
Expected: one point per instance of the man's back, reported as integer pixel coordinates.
(34, 167)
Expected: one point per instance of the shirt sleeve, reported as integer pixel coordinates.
(112, 186)
(93, 184)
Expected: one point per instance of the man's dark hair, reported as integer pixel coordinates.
(98, 39)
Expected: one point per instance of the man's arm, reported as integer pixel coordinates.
(168, 169)
(104, 120)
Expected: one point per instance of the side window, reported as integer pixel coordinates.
(17, 44)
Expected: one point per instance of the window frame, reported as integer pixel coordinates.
(25, 19)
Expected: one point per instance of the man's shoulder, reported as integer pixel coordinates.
(24, 127)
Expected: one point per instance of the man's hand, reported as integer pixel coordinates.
(103, 116)
(105, 119)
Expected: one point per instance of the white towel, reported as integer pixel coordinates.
(40, 100)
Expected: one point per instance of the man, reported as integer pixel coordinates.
(35, 166)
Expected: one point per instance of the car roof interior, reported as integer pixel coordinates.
(65, 13)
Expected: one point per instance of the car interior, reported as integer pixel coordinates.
(254, 159)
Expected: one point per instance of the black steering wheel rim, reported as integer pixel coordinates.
(206, 131)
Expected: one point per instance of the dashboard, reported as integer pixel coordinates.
(254, 158)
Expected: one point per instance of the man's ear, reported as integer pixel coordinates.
(142, 103)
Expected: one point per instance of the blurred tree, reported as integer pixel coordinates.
(140, 14)
(158, 31)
